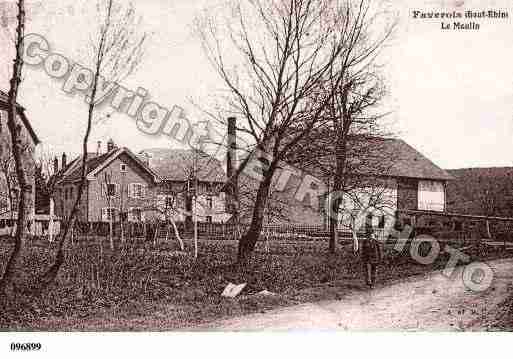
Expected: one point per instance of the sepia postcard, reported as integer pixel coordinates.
(193, 177)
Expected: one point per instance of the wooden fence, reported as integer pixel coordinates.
(150, 231)
(207, 231)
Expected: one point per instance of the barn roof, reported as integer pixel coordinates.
(371, 156)
(406, 161)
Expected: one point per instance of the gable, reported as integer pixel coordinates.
(96, 164)
(134, 171)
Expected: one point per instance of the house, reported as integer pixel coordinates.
(9, 189)
(153, 184)
(408, 181)
(183, 172)
(393, 177)
(117, 183)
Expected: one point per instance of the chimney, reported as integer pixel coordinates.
(232, 188)
(55, 165)
(63, 161)
(110, 145)
(145, 157)
(99, 148)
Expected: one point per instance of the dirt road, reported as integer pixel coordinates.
(430, 302)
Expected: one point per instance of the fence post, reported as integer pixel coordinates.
(488, 233)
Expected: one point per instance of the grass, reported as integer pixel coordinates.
(504, 318)
(174, 290)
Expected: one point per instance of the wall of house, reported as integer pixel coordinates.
(64, 198)
(28, 163)
(407, 193)
(426, 195)
(122, 200)
(210, 202)
(283, 206)
(380, 200)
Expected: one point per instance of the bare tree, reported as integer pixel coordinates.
(283, 51)
(167, 205)
(15, 127)
(116, 51)
(344, 150)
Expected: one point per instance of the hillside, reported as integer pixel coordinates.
(481, 191)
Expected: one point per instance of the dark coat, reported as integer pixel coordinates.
(370, 249)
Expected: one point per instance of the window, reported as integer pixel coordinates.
(137, 190)
(209, 202)
(122, 167)
(110, 189)
(209, 219)
(381, 223)
(109, 213)
(68, 193)
(210, 187)
(169, 201)
(135, 215)
(431, 196)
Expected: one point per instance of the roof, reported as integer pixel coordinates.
(175, 164)
(4, 100)
(406, 161)
(367, 156)
(95, 163)
(72, 171)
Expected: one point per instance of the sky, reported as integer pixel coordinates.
(451, 91)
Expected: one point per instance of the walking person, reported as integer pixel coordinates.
(371, 253)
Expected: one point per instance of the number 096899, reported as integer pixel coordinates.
(25, 346)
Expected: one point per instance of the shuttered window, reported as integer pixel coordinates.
(109, 213)
(110, 189)
(137, 190)
(135, 214)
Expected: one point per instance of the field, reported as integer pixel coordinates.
(140, 281)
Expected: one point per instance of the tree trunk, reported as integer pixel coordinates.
(177, 234)
(50, 222)
(334, 208)
(248, 241)
(195, 216)
(16, 148)
(334, 213)
(111, 237)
